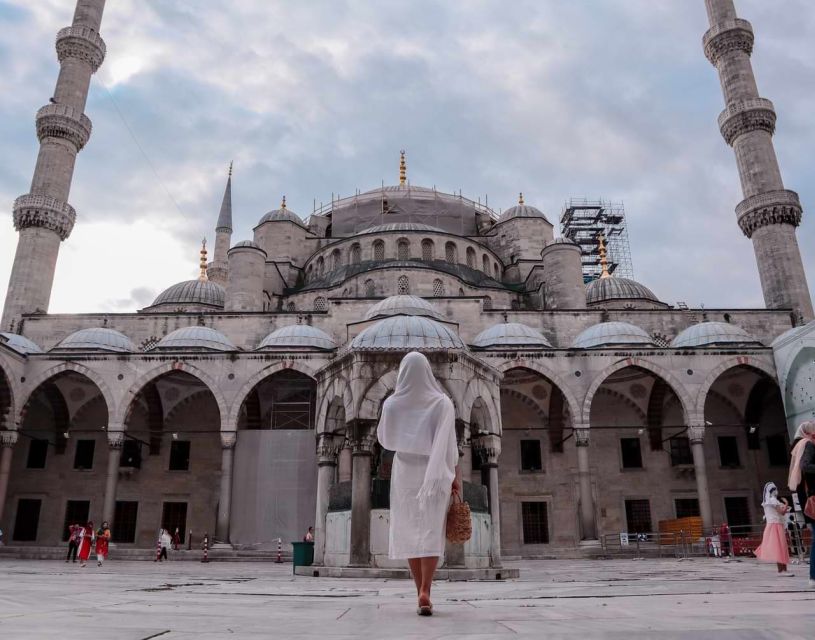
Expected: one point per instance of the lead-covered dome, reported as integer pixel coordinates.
(522, 211)
(19, 343)
(401, 226)
(196, 338)
(404, 333)
(616, 288)
(282, 215)
(402, 305)
(198, 293)
(298, 335)
(612, 334)
(511, 334)
(96, 339)
(709, 334)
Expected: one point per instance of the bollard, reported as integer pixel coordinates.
(205, 546)
(158, 549)
(189, 541)
(279, 558)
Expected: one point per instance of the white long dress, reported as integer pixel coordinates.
(415, 532)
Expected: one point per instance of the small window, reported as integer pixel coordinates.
(632, 454)
(487, 304)
(370, 289)
(320, 303)
(320, 266)
(402, 286)
(638, 516)
(485, 264)
(27, 520)
(535, 522)
(180, 455)
(83, 457)
(427, 249)
(438, 287)
(131, 454)
(37, 453)
(729, 452)
(356, 254)
(451, 253)
(290, 306)
(403, 250)
(777, 450)
(471, 257)
(336, 259)
(531, 455)
(76, 512)
(681, 451)
(496, 272)
(379, 250)
(124, 519)
(687, 507)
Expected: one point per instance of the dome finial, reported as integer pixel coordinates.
(603, 259)
(521, 198)
(283, 204)
(203, 275)
(230, 168)
(402, 168)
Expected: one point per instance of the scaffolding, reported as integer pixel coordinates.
(583, 221)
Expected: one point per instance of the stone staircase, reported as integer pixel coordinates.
(30, 552)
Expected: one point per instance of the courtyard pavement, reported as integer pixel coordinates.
(660, 599)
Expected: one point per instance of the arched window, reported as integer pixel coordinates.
(336, 259)
(485, 264)
(460, 291)
(309, 272)
(427, 249)
(320, 303)
(471, 257)
(514, 305)
(403, 249)
(403, 285)
(438, 287)
(487, 303)
(451, 253)
(356, 254)
(379, 250)
(495, 271)
(290, 307)
(320, 266)
(370, 288)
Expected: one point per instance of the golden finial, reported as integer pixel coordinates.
(603, 259)
(230, 168)
(402, 168)
(521, 198)
(283, 204)
(203, 275)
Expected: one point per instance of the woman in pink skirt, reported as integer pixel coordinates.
(773, 546)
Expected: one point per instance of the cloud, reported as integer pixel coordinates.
(612, 98)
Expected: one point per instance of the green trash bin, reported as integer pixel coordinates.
(302, 554)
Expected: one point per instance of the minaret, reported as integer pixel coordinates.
(769, 213)
(43, 216)
(402, 169)
(218, 268)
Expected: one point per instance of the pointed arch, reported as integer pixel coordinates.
(478, 388)
(339, 388)
(554, 378)
(740, 361)
(375, 394)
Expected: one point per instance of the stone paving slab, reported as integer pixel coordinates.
(568, 599)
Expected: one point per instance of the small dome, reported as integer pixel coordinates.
(278, 215)
(511, 334)
(247, 243)
(298, 335)
(19, 343)
(405, 333)
(612, 334)
(401, 226)
(192, 292)
(522, 211)
(97, 339)
(614, 288)
(402, 305)
(196, 338)
(708, 334)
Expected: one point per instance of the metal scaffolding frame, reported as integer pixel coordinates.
(583, 221)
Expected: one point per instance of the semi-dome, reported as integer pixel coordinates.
(708, 334)
(401, 226)
(612, 334)
(196, 338)
(282, 214)
(404, 333)
(402, 305)
(98, 339)
(298, 335)
(615, 288)
(192, 292)
(511, 334)
(789, 333)
(522, 211)
(19, 343)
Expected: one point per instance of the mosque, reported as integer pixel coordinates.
(244, 403)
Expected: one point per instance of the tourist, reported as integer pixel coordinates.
(309, 537)
(802, 478)
(85, 542)
(176, 539)
(418, 424)
(724, 535)
(73, 534)
(773, 547)
(102, 543)
(164, 542)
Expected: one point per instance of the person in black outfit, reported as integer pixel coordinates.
(802, 478)
(73, 532)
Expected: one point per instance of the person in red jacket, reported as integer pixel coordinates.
(102, 543)
(86, 535)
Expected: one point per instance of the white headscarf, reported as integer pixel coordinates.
(804, 434)
(420, 419)
(768, 493)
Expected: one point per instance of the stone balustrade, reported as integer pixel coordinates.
(82, 43)
(773, 207)
(32, 210)
(747, 115)
(727, 36)
(63, 121)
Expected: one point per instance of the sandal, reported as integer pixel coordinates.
(425, 610)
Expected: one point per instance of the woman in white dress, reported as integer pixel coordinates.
(418, 424)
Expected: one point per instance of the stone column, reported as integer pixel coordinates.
(116, 439)
(7, 441)
(696, 435)
(490, 449)
(327, 450)
(228, 440)
(588, 523)
(362, 444)
(344, 470)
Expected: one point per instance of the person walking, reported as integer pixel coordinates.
(73, 534)
(773, 547)
(164, 541)
(176, 539)
(802, 478)
(85, 542)
(102, 543)
(418, 424)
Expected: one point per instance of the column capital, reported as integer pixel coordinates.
(328, 448)
(228, 439)
(8, 439)
(696, 433)
(489, 448)
(116, 438)
(362, 436)
(582, 436)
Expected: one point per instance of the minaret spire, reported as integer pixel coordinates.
(43, 216)
(769, 213)
(202, 276)
(402, 168)
(218, 268)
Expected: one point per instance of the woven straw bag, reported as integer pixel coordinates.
(459, 522)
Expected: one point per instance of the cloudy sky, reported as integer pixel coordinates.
(555, 98)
